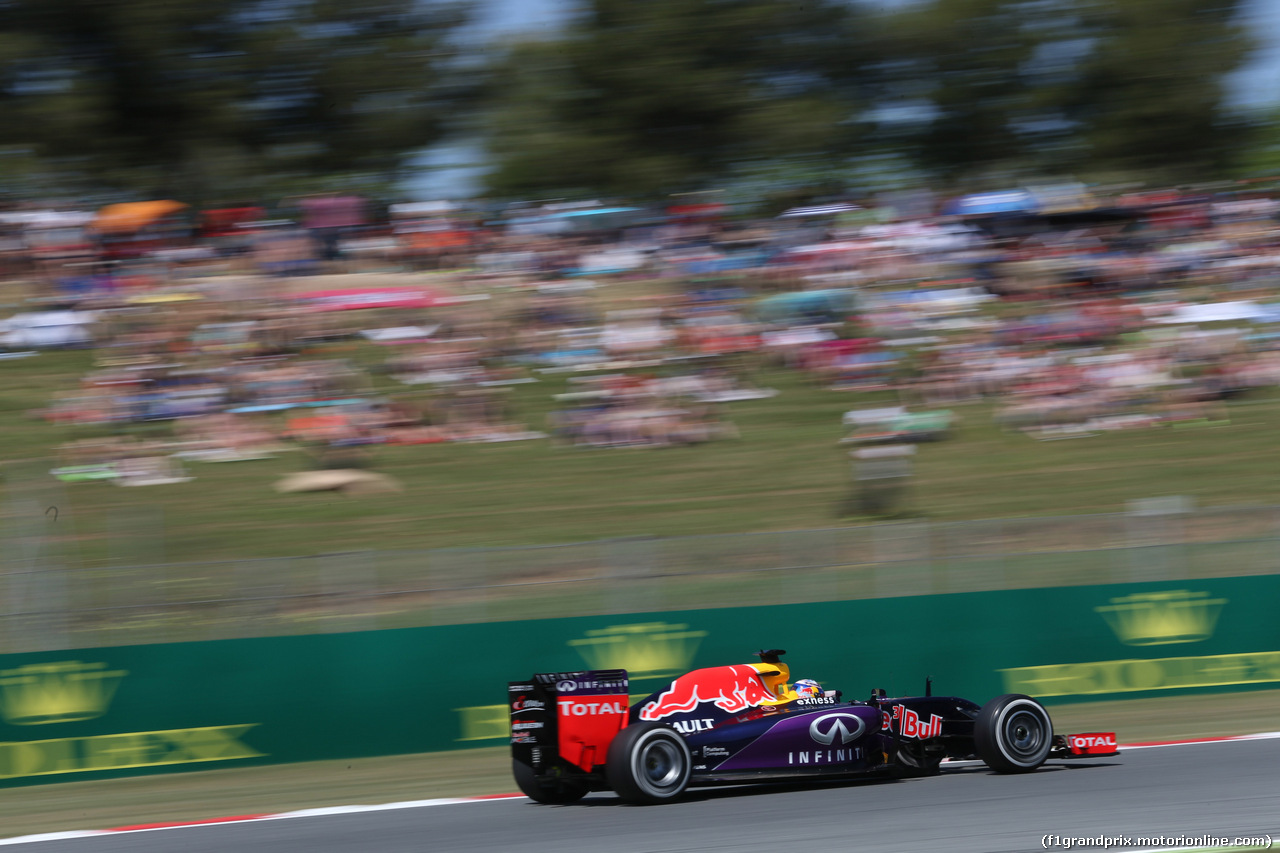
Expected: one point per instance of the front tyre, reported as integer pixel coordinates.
(551, 792)
(1013, 734)
(648, 763)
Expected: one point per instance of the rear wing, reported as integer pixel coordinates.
(560, 718)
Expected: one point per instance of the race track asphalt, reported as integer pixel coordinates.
(1226, 789)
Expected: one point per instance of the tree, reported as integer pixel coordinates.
(954, 73)
(1068, 86)
(1150, 97)
(643, 99)
(208, 100)
(1259, 161)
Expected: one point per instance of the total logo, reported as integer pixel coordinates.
(1091, 741)
(910, 725)
(591, 709)
(688, 727)
(828, 727)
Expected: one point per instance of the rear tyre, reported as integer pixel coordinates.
(648, 763)
(553, 792)
(1013, 734)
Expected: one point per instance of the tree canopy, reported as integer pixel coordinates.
(239, 98)
(216, 98)
(642, 97)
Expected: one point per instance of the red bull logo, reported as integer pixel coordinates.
(729, 688)
(910, 724)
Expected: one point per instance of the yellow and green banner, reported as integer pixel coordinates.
(91, 713)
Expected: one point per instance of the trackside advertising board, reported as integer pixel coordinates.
(91, 713)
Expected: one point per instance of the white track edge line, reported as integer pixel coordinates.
(55, 836)
(1231, 739)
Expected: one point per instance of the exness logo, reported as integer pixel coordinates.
(826, 728)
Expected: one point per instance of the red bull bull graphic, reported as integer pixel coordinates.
(730, 688)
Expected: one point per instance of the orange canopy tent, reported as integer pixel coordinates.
(130, 216)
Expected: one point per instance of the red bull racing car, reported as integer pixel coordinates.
(577, 732)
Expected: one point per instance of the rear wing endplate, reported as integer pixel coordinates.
(569, 716)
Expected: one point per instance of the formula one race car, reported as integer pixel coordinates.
(575, 732)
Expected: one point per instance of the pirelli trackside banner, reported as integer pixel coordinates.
(92, 713)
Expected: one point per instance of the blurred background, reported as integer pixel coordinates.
(330, 316)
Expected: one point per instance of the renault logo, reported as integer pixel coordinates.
(825, 728)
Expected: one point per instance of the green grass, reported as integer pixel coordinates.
(258, 790)
(787, 471)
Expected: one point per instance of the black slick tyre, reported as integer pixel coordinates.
(1013, 734)
(648, 763)
(554, 792)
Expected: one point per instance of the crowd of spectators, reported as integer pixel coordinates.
(1134, 312)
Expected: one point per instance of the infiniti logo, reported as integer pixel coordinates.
(825, 728)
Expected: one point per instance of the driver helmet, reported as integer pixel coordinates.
(807, 688)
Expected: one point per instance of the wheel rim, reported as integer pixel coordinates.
(1024, 735)
(661, 764)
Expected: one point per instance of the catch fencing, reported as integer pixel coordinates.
(48, 603)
